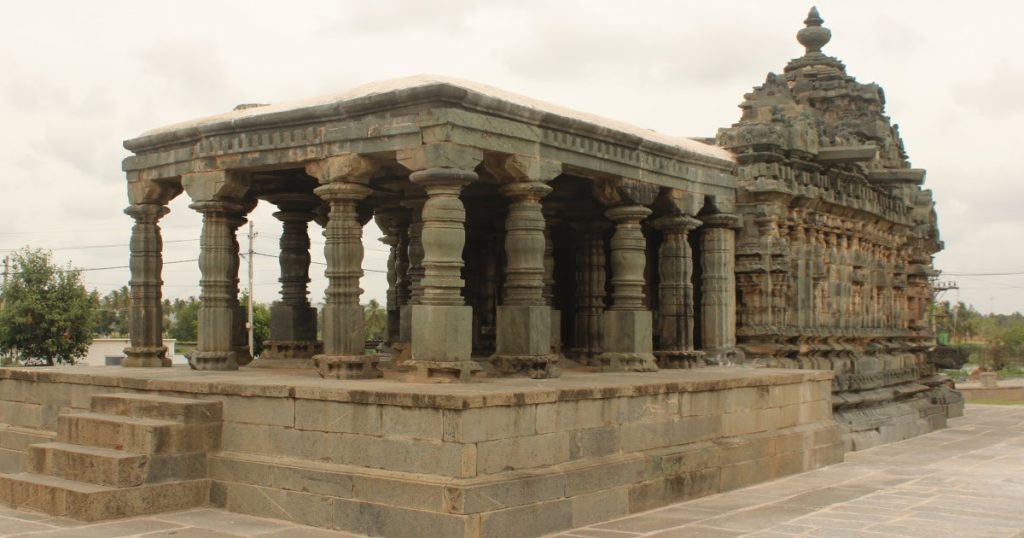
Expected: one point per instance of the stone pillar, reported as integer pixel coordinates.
(218, 263)
(675, 272)
(240, 333)
(293, 341)
(627, 326)
(344, 355)
(394, 222)
(718, 288)
(590, 291)
(441, 322)
(524, 318)
(414, 274)
(145, 318)
(342, 186)
(549, 284)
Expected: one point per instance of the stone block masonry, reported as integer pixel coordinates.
(505, 457)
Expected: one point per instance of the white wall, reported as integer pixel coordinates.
(102, 347)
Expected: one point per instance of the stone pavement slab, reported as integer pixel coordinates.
(194, 523)
(965, 481)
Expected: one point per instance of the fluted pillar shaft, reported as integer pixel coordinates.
(549, 284)
(145, 317)
(294, 258)
(411, 257)
(590, 290)
(524, 318)
(394, 222)
(243, 355)
(344, 344)
(675, 292)
(218, 264)
(627, 326)
(718, 287)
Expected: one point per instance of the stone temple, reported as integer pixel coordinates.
(585, 319)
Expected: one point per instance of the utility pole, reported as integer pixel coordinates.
(7, 273)
(252, 345)
(938, 288)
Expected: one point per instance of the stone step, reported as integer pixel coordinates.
(91, 502)
(95, 465)
(140, 435)
(153, 406)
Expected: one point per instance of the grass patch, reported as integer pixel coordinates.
(997, 402)
(956, 375)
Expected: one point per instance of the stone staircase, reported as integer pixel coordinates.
(130, 454)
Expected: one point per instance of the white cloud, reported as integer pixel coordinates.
(80, 77)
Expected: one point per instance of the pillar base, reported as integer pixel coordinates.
(442, 333)
(532, 366)
(348, 366)
(523, 330)
(675, 360)
(612, 361)
(212, 360)
(424, 371)
(725, 356)
(288, 354)
(627, 342)
(146, 357)
(405, 323)
(442, 343)
(290, 349)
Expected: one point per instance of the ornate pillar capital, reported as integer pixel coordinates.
(722, 220)
(349, 167)
(340, 192)
(676, 223)
(146, 213)
(214, 185)
(445, 155)
(627, 214)
(527, 191)
(522, 168)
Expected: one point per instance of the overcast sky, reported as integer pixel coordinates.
(78, 78)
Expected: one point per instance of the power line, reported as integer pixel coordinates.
(110, 267)
(85, 247)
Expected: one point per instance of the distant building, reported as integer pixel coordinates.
(110, 352)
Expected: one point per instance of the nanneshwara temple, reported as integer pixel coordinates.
(585, 319)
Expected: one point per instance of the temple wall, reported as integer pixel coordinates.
(505, 460)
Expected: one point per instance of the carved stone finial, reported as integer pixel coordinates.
(814, 35)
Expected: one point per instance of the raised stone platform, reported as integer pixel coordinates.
(503, 457)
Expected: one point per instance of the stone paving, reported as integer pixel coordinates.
(965, 481)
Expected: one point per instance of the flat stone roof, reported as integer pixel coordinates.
(388, 94)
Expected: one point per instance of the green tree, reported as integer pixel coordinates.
(261, 327)
(375, 321)
(112, 314)
(184, 320)
(47, 315)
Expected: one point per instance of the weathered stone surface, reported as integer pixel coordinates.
(136, 434)
(88, 502)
